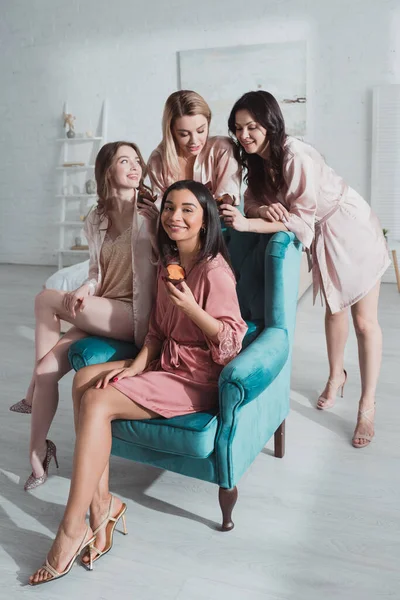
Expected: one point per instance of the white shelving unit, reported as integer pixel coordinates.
(68, 178)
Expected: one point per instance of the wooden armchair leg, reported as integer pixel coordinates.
(227, 500)
(279, 441)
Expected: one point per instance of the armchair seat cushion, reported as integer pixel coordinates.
(187, 435)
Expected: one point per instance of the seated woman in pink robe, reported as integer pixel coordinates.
(187, 152)
(290, 187)
(195, 329)
(114, 302)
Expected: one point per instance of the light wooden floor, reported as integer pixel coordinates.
(321, 524)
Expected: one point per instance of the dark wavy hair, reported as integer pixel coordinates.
(263, 175)
(211, 239)
(102, 171)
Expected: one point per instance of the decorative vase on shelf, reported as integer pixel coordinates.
(69, 121)
(90, 186)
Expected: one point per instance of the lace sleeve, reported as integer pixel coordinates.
(226, 347)
(222, 303)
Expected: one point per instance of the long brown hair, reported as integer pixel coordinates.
(102, 172)
(263, 175)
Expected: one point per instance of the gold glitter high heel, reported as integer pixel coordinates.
(33, 482)
(22, 407)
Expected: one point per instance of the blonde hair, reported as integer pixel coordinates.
(182, 103)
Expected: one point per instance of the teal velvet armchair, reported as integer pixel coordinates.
(254, 388)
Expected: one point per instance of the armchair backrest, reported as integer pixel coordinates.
(267, 269)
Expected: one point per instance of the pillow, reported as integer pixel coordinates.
(69, 278)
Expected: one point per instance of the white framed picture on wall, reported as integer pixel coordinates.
(222, 75)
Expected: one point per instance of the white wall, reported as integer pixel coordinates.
(125, 50)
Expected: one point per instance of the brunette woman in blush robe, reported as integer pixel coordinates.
(290, 187)
(195, 329)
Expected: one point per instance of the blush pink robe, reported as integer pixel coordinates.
(349, 251)
(216, 164)
(185, 377)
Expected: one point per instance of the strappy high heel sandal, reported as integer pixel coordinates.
(55, 574)
(362, 414)
(109, 524)
(324, 403)
(33, 482)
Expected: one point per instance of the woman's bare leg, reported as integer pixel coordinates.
(369, 338)
(29, 391)
(92, 452)
(84, 379)
(336, 332)
(45, 397)
(101, 316)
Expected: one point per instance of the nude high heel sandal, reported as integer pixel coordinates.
(109, 524)
(362, 414)
(55, 574)
(323, 403)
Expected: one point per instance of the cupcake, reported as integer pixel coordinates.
(225, 199)
(175, 274)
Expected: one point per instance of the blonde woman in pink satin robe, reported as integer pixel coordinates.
(290, 187)
(195, 329)
(187, 152)
(114, 302)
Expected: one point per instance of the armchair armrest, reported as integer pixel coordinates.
(96, 350)
(256, 367)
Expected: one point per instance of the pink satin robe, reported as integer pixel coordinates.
(216, 164)
(185, 377)
(348, 248)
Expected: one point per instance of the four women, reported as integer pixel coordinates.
(195, 327)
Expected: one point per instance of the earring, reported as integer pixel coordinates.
(203, 230)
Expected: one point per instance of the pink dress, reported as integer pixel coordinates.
(349, 251)
(185, 377)
(216, 164)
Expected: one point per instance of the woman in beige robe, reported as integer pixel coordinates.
(290, 187)
(115, 301)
